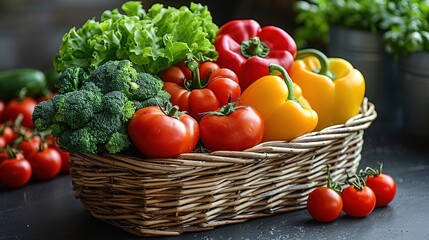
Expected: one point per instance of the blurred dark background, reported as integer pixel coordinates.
(31, 30)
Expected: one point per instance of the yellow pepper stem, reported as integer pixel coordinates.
(279, 70)
(322, 58)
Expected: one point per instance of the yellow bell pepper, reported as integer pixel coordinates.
(334, 88)
(286, 113)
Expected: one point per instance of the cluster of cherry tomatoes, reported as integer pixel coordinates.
(362, 193)
(26, 154)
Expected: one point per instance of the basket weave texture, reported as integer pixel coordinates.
(200, 191)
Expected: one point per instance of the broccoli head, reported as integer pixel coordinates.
(77, 108)
(160, 99)
(71, 79)
(149, 86)
(117, 104)
(43, 114)
(116, 75)
(91, 113)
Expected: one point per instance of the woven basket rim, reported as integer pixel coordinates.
(303, 143)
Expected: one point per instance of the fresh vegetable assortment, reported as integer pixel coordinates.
(166, 81)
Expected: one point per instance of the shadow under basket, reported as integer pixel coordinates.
(201, 191)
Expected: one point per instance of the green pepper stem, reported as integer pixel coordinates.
(192, 65)
(279, 70)
(254, 47)
(324, 61)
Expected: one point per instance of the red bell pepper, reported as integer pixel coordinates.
(247, 49)
(209, 87)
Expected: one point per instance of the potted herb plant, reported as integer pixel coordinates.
(407, 39)
(351, 30)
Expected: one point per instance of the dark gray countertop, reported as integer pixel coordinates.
(49, 210)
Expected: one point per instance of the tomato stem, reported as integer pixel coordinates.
(336, 186)
(192, 65)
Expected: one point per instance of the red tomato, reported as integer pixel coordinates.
(46, 164)
(4, 155)
(15, 172)
(25, 107)
(358, 203)
(206, 90)
(8, 134)
(157, 134)
(30, 146)
(324, 204)
(384, 188)
(65, 158)
(1, 111)
(3, 143)
(234, 129)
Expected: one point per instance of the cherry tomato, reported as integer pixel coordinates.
(3, 143)
(65, 157)
(324, 204)
(358, 202)
(1, 110)
(25, 107)
(206, 90)
(15, 172)
(8, 134)
(157, 133)
(384, 188)
(46, 164)
(231, 128)
(4, 155)
(30, 146)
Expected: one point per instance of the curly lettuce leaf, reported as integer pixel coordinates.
(152, 40)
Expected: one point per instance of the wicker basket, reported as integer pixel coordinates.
(200, 191)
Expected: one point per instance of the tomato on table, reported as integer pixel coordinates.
(15, 171)
(208, 88)
(25, 107)
(163, 132)
(383, 185)
(324, 203)
(358, 199)
(231, 128)
(46, 164)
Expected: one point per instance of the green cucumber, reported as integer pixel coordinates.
(12, 81)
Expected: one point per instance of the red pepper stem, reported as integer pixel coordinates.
(279, 70)
(254, 47)
(324, 61)
(192, 65)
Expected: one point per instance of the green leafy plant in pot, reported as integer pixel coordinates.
(407, 39)
(353, 30)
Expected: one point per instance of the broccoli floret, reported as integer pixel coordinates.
(77, 108)
(43, 115)
(149, 86)
(71, 79)
(90, 86)
(117, 104)
(81, 140)
(159, 100)
(115, 76)
(103, 125)
(118, 142)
